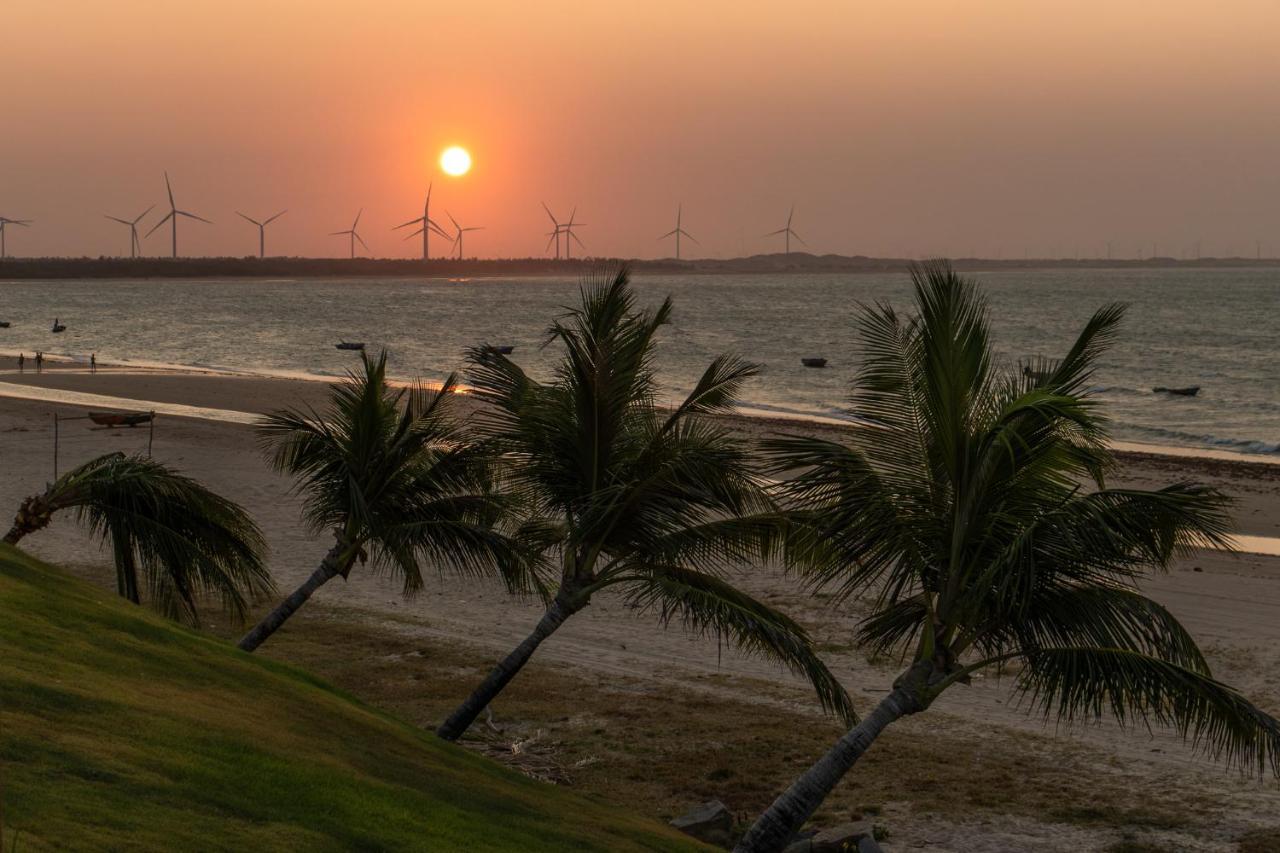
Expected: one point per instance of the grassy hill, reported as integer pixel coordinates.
(120, 730)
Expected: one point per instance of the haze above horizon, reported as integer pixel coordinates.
(928, 128)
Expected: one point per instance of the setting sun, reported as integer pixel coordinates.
(455, 161)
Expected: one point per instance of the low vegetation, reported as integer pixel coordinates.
(122, 730)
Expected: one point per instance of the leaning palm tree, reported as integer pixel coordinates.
(622, 494)
(974, 513)
(388, 473)
(168, 533)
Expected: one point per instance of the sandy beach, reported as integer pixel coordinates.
(1231, 602)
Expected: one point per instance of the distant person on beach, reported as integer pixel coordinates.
(39, 360)
(93, 362)
(22, 361)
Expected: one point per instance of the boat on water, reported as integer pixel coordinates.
(1189, 391)
(814, 362)
(119, 419)
(351, 345)
(58, 327)
(505, 349)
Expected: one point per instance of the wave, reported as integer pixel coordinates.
(1255, 446)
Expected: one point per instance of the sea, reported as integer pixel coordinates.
(1215, 328)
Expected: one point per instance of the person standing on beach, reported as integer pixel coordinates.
(39, 360)
(22, 360)
(93, 362)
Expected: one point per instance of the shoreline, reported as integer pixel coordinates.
(757, 413)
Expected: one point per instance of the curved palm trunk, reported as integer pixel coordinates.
(329, 568)
(33, 515)
(773, 829)
(460, 720)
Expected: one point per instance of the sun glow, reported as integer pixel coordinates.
(455, 161)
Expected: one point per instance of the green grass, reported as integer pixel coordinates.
(120, 730)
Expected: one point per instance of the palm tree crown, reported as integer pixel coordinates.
(388, 472)
(623, 493)
(973, 509)
(167, 532)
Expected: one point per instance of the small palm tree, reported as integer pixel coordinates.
(387, 472)
(623, 494)
(168, 533)
(961, 511)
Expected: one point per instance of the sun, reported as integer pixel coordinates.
(455, 161)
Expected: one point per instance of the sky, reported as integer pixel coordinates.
(999, 128)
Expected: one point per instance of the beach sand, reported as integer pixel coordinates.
(1230, 602)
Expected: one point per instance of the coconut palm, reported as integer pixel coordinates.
(388, 473)
(974, 513)
(168, 533)
(623, 494)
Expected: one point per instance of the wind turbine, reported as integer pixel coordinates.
(262, 230)
(458, 239)
(788, 231)
(135, 245)
(555, 233)
(569, 235)
(4, 220)
(173, 215)
(678, 232)
(428, 225)
(354, 235)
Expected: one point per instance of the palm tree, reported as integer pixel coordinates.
(387, 472)
(167, 533)
(624, 494)
(961, 512)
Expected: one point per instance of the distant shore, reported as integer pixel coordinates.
(795, 263)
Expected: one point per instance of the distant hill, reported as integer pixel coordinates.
(775, 264)
(122, 731)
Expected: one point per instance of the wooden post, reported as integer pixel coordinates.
(55, 445)
(152, 434)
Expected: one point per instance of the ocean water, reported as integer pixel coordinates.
(1219, 329)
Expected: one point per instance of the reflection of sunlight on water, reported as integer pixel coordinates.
(1268, 545)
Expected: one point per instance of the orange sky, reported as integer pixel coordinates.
(905, 128)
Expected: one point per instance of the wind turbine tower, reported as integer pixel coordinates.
(353, 234)
(678, 232)
(173, 215)
(262, 230)
(135, 245)
(428, 225)
(4, 220)
(788, 231)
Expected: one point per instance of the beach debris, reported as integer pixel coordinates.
(857, 835)
(711, 822)
(814, 362)
(351, 345)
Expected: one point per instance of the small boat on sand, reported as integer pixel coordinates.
(119, 419)
(351, 345)
(4, 324)
(58, 327)
(814, 362)
(1189, 391)
(505, 349)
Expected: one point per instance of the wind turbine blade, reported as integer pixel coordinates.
(775, 233)
(575, 237)
(436, 229)
(117, 219)
(361, 241)
(414, 234)
(429, 193)
(169, 189)
(167, 217)
(192, 216)
(572, 216)
(274, 218)
(689, 236)
(791, 214)
(548, 210)
(251, 219)
(454, 221)
(356, 224)
(669, 234)
(798, 240)
(144, 213)
(553, 236)
(338, 233)
(407, 224)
